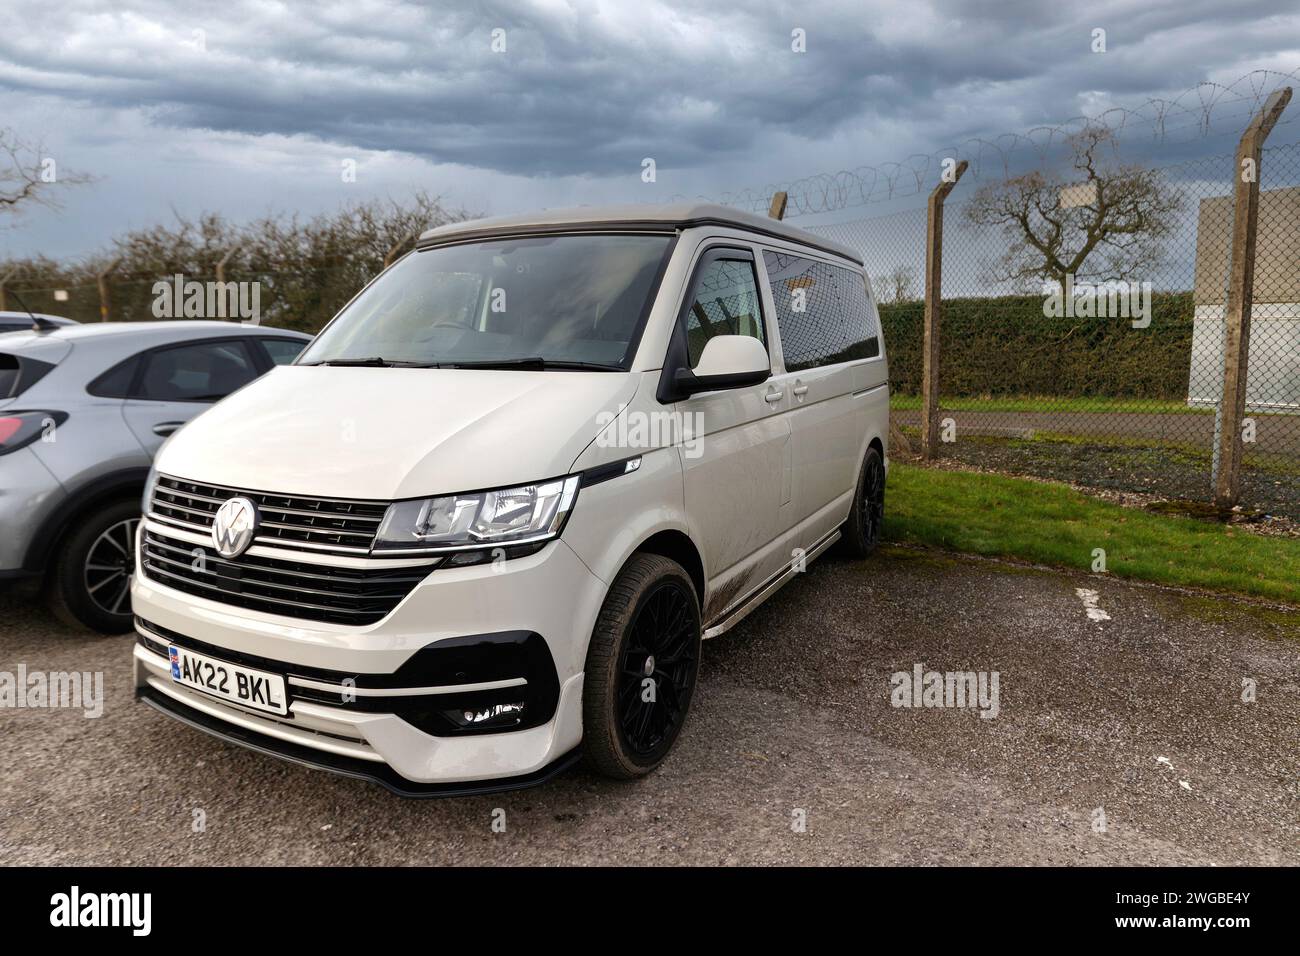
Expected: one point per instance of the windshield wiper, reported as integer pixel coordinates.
(535, 363)
(532, 364)
(371, 362)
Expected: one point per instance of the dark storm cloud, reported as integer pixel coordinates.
(587, 88)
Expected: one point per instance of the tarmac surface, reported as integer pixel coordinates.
(1121, 736)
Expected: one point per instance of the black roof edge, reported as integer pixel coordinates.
(622, 225)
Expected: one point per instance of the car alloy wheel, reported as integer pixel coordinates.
(873, 498)
(657, 670)
(109, 565)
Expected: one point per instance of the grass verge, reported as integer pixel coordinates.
(1054, 524)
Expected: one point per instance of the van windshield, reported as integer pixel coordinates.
(567, 301)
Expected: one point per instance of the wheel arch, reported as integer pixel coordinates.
(95, 494)
(676, 546)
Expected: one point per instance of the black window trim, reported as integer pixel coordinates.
(262, 353)
(93, 386)
(855, 268)
(254, 355)
(678, 353)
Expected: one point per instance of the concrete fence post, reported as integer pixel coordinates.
(391, 257)
(105, 300)
(1241, 292)
(777, 209)
(934, 311)
(221, 263)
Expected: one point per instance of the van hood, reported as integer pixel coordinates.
(386, 433)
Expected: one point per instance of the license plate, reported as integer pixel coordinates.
(259, 690)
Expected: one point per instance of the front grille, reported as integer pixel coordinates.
(287, 520)
(313, 592)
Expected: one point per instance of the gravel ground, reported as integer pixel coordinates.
(793, 713)
(1275, 434)
(1168, 455)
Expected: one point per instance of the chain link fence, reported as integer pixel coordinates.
(1113, 378)
(295, 299)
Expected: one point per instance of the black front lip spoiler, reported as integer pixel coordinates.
(379, 773)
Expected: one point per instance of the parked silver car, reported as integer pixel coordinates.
(83, 410)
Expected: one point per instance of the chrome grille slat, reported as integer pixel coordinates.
(172, 506)
(194, 496)
(188, 526)
(190, 496)
(338, 531)
(316, 514)
(290, 521)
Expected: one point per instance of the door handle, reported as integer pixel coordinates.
(166, 428)
(774, 396)
(800, 390)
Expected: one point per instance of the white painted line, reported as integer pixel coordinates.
(1089, 599)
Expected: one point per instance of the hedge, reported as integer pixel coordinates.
(1006, 346)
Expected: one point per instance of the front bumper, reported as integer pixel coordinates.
(551, 595)
(379, 773)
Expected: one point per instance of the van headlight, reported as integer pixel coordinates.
(523, 514)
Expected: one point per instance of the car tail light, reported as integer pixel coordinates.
(19, 429)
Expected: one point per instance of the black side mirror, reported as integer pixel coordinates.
(686, 383)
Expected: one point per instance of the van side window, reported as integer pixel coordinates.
(724, 302)
(823, 311)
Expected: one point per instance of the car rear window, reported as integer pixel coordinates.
(19, 374)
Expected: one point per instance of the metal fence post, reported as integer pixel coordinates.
(4, 304)
(933, 311)
(1241, 288)
(101, 279)
(777, 209)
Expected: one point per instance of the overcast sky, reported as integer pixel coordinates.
(247, 108)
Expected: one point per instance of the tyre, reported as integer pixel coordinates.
(861, 533)
(90, 577)
(641, 668)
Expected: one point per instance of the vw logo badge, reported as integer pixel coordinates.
(234, 526)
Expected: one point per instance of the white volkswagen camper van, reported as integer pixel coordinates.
(479, 528)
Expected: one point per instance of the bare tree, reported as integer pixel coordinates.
(1107, 222)
(897, 286)
(28, 177)
(308, 267)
